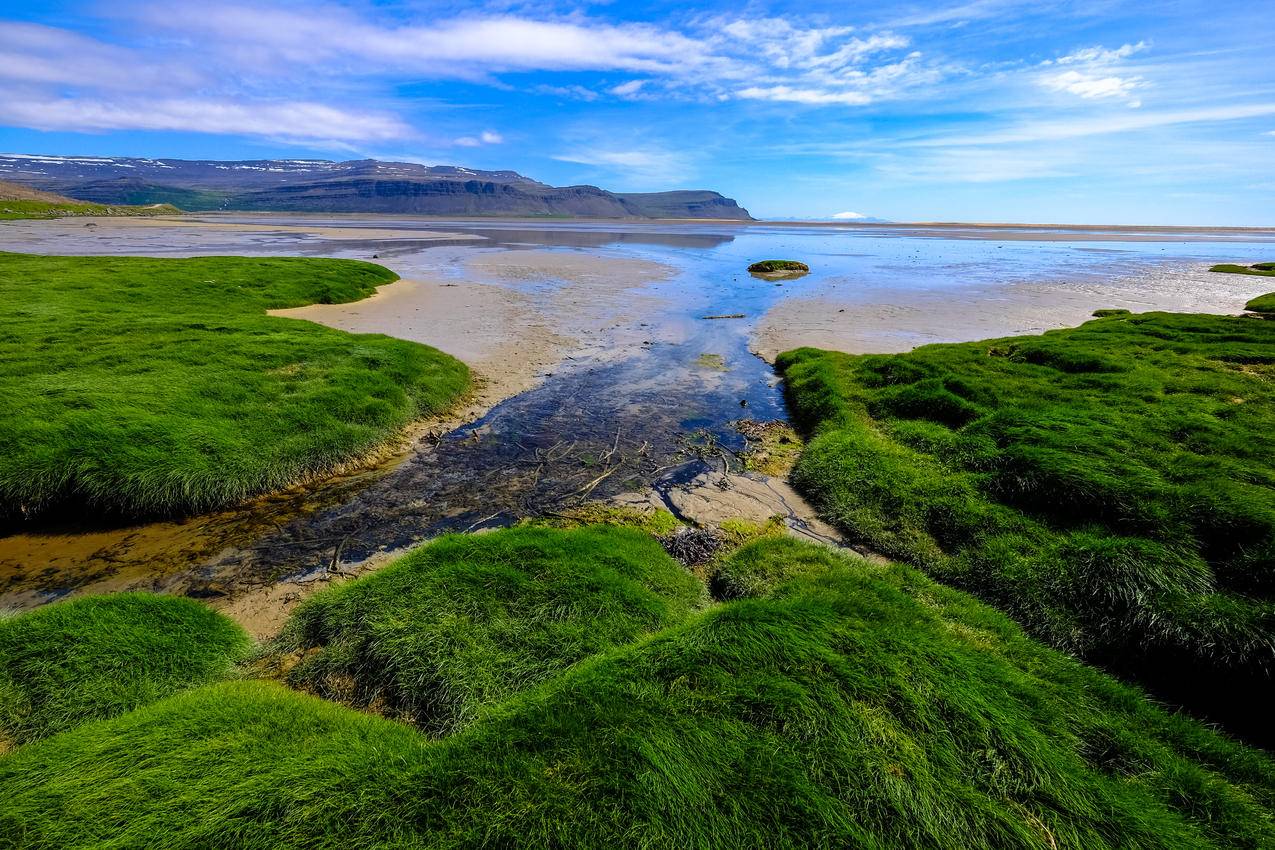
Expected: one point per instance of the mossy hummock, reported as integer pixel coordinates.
(1111, 486)
(777, 266)
(830, 703)
(147, 387)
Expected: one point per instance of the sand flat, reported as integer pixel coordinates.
(511, 315)
(885, 320)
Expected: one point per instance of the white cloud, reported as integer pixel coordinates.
(1040, 131)
(848, 216)
(652, 165)
(1092, 74)
(630, 88)
(788, 94)
(34, 54)
(293, 120)
(486, 137)
(1092, 85)
(467, 46)
(1101, 55)
(711, 57)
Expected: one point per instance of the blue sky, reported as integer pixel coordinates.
(982, 110)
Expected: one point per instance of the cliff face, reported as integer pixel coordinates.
(360, 186)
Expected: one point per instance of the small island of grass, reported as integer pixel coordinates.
(1264, 304)
(145, 387)
(1262, 269)
(778, 266)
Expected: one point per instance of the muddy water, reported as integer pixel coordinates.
(639, 405)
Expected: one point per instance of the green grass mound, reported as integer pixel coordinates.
(846, 705)
(160, 386)
(72, 662)
(1267, 269)
(770, 266)
(467, 621)
(19, 209)
(1111, 486)
(1262, 304)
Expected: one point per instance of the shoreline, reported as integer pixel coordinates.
(879, 320)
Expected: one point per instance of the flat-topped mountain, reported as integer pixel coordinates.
(316, 185)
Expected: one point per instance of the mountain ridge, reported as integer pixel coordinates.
(372, 186)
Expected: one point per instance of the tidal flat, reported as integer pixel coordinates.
(585, 339)
(659, 640)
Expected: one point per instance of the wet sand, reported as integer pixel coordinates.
(843, 316)
(511, 315)
(600, 324)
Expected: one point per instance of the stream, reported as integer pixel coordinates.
(623, 415)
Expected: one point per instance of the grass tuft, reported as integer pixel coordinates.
(466, 621)
(72, 662)
(160, 387)
(1110, 486)
(770, 266)
(11, 210)
(1266, 269)
(1262, 304)
(839, 704)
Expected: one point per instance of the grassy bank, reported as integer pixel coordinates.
(20, 209)
(1110, 486)
(1263, 269)
(160, 386)
(1262, 304)
(467, 621)
(831, 703)
(69, 664)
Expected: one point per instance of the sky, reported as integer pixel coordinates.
(1093, 111)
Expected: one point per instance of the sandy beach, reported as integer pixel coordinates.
(511, 315)
(840, 315)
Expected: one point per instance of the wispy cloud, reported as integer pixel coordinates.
(1074, 128)
(1090, 73)
(639, 165)
(284, 120)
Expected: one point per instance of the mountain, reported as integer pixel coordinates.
(18, 192)
(369, 185)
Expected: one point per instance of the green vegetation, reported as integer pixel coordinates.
(1110, 486)
(19, 209)
(711, 362)
(772, 448)
(70, 663)
(832, 704)
(467, 621)
(771, 266)
(1112, 311)
(160, 386)
(1262, 304)
(656, 522)
(1266, 269)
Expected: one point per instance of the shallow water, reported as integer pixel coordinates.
(635, 416)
